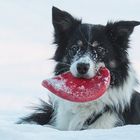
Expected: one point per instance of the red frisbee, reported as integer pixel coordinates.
(75, 89)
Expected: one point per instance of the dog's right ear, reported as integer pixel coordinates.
(119, 32)
(63, 22)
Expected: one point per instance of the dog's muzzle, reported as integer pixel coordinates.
(83, 68)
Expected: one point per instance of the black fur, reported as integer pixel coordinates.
(42, 115)
(113, 41)
(132, 114)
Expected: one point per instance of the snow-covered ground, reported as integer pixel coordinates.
(25, 49)
(11, 131)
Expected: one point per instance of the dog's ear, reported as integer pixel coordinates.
(64, 25)
(63, 22)
(120, 31)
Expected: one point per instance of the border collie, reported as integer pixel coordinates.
(90, 46)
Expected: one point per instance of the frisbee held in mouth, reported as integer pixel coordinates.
(75, 89)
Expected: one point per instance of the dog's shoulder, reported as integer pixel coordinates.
(132, 113)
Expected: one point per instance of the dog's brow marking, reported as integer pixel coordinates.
(79, 42)
(95, 44)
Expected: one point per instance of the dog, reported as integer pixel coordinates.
(81, 49)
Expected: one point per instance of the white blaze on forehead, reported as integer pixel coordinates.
(95, 44)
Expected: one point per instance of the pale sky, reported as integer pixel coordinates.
(26, 35)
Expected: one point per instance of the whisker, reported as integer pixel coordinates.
(64, 63)
(61, 70)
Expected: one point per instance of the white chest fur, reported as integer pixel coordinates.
(73, 117)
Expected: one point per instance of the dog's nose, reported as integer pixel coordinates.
(82, 68)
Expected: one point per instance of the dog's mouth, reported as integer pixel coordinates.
(75, 89)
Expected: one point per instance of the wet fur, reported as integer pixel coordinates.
(103, 44)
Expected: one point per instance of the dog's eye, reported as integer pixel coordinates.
(101, 50)
(73, 50)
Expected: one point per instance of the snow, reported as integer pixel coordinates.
(25, 38)
(82, 88)
(11, 131)
(59, 84)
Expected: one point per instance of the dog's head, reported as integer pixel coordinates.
(83, 48)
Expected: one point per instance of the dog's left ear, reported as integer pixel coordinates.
(120, 31)
(63, 22)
